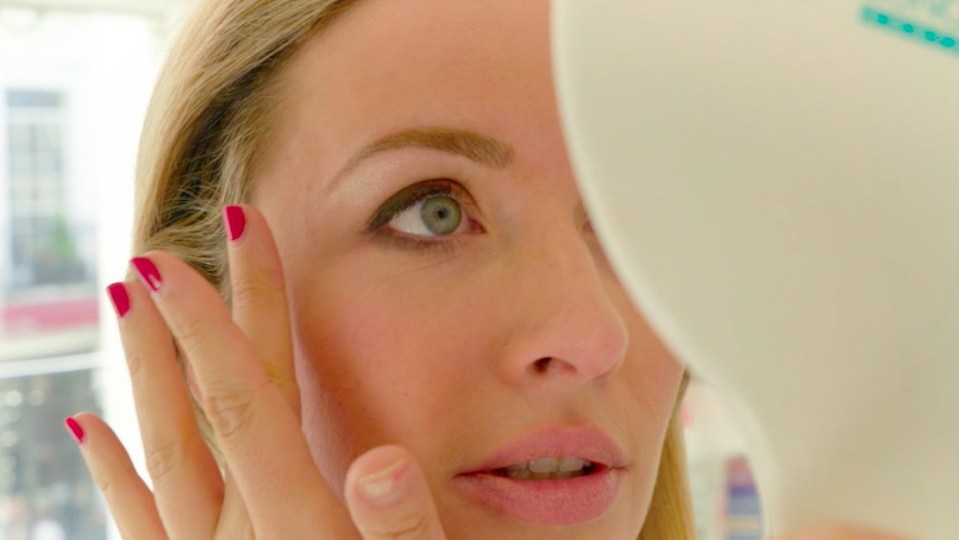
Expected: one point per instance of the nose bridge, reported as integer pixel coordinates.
(565, 314)
(564, 257)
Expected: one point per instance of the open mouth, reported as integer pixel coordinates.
(554, 491)
(556, 476)
(548, 468)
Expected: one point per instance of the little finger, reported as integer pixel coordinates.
(130, 500)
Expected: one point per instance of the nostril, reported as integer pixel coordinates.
(541, 365)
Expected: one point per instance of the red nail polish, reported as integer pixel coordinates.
(75, 429)
(235, 221)
(148, 272)
(120, 298)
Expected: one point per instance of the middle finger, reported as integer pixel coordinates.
(257, 430)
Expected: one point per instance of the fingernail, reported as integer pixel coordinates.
(235, 221)
(148, 272)
(387, 486)
(120, 298)
(75, 429)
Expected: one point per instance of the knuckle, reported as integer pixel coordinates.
(255, 292)
(412, 526)
(162, 459)
(105, 482)
(238, 531)
(191, 331)
(230, 412)
(135, 363)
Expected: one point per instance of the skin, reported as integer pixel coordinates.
(449, 352)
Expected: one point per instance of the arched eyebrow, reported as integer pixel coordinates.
(482, 149)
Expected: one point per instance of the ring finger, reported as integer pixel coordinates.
(186, 480)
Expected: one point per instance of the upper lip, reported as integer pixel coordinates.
(588, 443)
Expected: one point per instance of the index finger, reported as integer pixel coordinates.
(258, 296)
(256, 428)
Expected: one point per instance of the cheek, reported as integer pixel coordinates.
(391, 356)
(653, 372)
(376, 364)
(654, 377)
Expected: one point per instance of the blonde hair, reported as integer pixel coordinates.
(207, 125)
(670, 513)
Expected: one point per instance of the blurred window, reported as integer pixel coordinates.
(45, 245)
(49, 308)
(75, 78)
(45, 490)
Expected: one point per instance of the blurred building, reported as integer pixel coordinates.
(75, 77)
(721, 483)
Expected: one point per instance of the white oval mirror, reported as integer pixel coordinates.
(777, 183)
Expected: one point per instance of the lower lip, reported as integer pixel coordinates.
(548, 502)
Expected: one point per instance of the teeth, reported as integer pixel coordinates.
(544, 465)
(522, 474)
(548, 468)
(569, 464)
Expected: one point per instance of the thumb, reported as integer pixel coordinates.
(389, 498)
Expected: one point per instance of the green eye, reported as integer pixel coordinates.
(429, 214)
(436, 215)
(441, 215)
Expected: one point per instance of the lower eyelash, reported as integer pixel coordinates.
(445, 247)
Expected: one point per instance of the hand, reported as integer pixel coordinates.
(240, 367)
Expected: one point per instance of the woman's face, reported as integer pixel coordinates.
(447, 292)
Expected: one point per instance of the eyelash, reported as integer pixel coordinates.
(409, 197)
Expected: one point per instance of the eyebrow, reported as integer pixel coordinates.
(474, 146)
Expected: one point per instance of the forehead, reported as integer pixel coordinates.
(388, 65)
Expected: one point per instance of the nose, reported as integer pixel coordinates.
(563, 327)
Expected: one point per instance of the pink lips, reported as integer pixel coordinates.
(550, 502)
